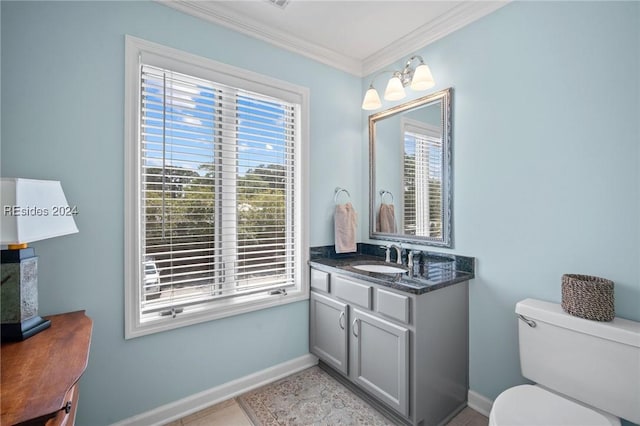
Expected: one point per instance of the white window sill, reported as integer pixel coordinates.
(212, 311)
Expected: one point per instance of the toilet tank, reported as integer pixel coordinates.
(597, 363)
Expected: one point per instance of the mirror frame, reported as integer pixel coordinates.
(447, 182)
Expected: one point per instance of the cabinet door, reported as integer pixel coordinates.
(380, 359)
(328, 331)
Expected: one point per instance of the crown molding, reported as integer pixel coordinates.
(230, 19)
(456, 18)
(461, 15)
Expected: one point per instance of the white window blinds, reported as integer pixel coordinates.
(217, 180)
(422, 182)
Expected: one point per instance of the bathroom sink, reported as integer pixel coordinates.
(380, 268)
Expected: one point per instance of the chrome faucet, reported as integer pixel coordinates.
(410, 257)
(398, 253)
(387, 253)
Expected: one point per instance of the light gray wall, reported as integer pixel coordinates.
(62, 115)
(546, 159)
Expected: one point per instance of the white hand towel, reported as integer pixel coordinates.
(387, 219)
(345, 219)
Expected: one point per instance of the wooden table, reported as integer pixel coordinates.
(40, 374)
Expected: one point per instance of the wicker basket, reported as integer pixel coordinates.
(588, 297)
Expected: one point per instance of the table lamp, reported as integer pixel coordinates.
(32, 210)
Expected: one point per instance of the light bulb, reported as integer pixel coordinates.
(422, 78)
(371, 99)
(395, 90)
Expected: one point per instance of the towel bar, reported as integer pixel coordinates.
(384, 192)
(338, 191)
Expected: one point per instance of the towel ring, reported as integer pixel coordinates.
(338, 192)
(384, 192)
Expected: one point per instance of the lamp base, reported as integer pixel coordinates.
(19, 293)
(23, 330)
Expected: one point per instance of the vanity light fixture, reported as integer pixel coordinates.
(418, 78)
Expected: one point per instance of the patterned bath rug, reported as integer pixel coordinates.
(310, 397)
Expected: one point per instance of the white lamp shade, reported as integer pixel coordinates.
(371, 99)
(33, 210)
(395, 90)
(422, 78)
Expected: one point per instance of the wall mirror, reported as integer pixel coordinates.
(410, 170)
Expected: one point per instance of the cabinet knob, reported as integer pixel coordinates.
(353, 327)
(67, 407)
(340, 319)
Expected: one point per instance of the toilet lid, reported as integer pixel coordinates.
(528, 405)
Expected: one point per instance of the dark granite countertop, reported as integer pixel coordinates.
(433, 271)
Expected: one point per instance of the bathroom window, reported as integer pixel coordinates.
(215, 161)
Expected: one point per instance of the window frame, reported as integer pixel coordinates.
(137, 51)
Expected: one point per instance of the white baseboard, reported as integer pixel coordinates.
(191, 404)
(479, 403)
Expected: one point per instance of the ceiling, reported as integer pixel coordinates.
(358, 37)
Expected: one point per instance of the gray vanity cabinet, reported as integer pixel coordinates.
(408, 351)
(328, 334)
(380, 359)
(371, 350)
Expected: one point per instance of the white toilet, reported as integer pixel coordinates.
(586, 372)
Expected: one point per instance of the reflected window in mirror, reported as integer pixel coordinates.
(422, 178)
(410, 158)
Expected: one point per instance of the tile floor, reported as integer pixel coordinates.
(229, 413)
(469, 417)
